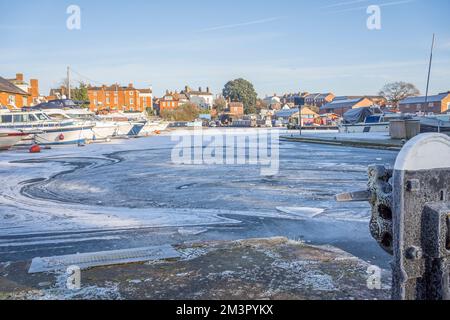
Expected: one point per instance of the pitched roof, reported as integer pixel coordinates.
(341, 103)
(199, 93)
(6, 86)
(323, 95)
(287, 113)
(114, 87)
(435, 98)
(312, 95)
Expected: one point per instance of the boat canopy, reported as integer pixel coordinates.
(359, 115)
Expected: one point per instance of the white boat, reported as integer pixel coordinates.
(365, 120)
(43, 130)
(105, 126)
(154, 126)
(125, 126)
(9, 138)
(101, 130)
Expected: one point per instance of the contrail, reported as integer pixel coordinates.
(341, 4)
(386, 4)
(243, 24)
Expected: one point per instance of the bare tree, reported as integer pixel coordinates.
(397, 91)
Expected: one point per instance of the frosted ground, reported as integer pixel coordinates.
(128, 194)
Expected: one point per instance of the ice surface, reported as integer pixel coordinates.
(133, 184)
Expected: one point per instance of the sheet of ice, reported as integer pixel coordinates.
(105, 258)
(130, 184)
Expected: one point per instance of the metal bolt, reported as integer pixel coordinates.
(414, 253)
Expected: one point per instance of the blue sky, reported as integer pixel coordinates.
(281, 46)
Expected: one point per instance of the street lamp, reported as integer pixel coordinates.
(300, 119)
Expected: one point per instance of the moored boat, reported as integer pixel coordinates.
(43, 130)
(9, 138)
(366, 119)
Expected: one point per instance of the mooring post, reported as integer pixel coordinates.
(411, 217)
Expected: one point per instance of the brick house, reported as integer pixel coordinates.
(435, 104)
(318, 99)
(32, 88)
(12, 96)
(341, 106)
(235, 109)
(172, 100)
(119, 98)
(146, 98)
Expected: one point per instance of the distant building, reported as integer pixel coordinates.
(378, 100)
(435, 104)
(269, 101)
(291, 116)
(340, 106)
(297, 99)
(146, 98)
(318, 99)
(114, 97)
(119, 98)
(11, 95)
(32, 88)
(235, 109)
(204, 99)
(60, 93)
(170, 101)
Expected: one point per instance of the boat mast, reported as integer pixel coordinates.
(429, 69)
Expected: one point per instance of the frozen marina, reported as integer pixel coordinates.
(129, 194)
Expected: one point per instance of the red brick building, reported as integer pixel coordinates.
(32, 88)
(235, 110)
(341, 106)
(120, 98)
(435, 104)
(172, 100)
(319, 99)
(12, 96)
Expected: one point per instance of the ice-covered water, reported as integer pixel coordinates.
(131, 184)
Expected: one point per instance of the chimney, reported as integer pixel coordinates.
(207, 89)
(130, 85)
(200, 89)
(34, 84)
(19, 76)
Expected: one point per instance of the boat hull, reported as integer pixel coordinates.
(364, 127)
(129, 129)
(9, 138)
(151, 127)
(103, 131)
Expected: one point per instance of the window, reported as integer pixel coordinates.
(12, 100)
(6, 119)
(131, 101)
(107, 100)
(18, 118)
(24, 101)
(41, 116)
